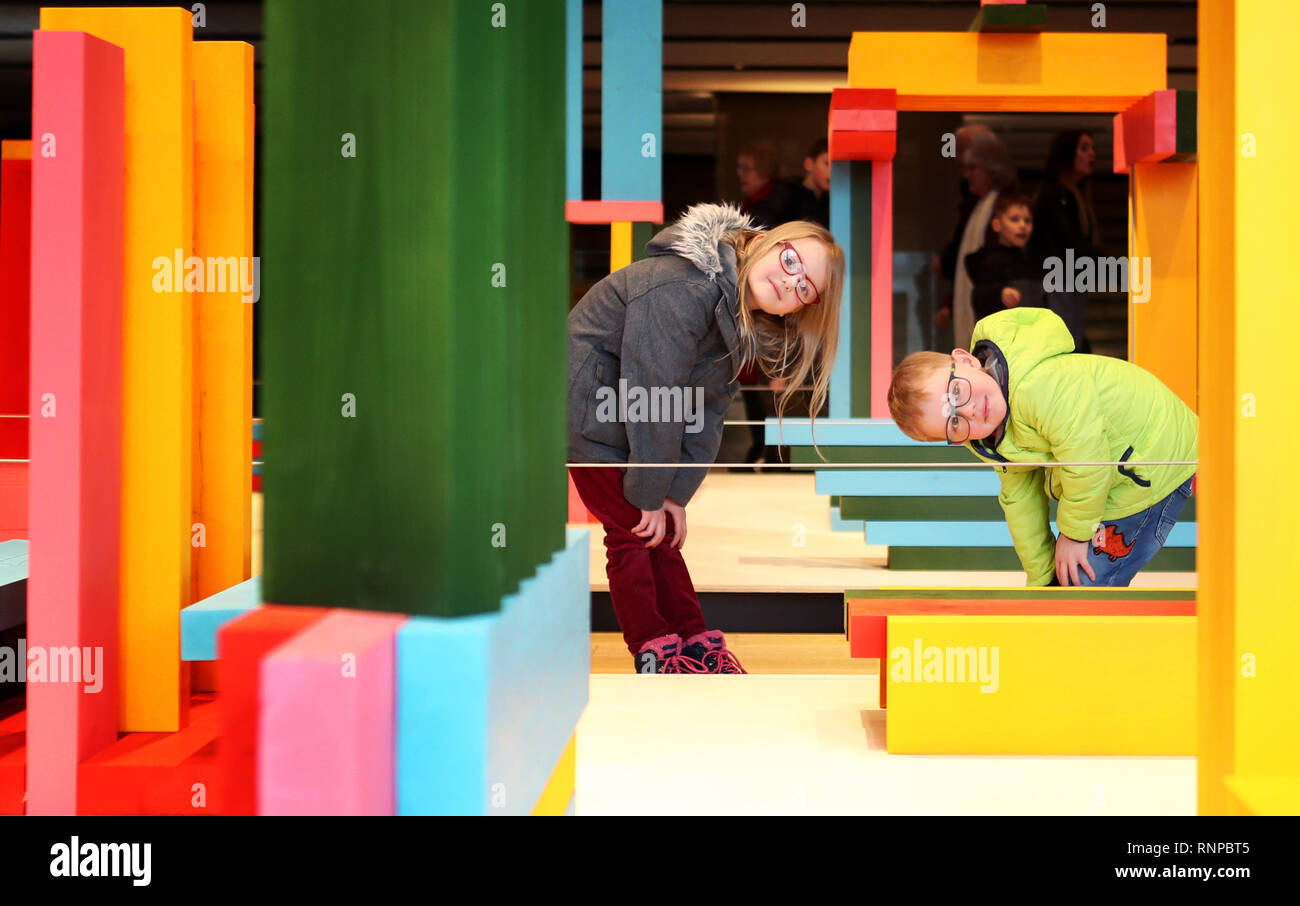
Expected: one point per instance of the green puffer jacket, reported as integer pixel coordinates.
(1076, 408)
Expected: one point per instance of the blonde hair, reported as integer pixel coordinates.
(907, 393)
(801, 345)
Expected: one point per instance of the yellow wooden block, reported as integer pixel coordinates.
(15, 149)
(559, 790)
(157, 350)
(620, 244)
(1264, 795)
(976, 685)
(1266, 662)
(1218, 153)
(223, 316)
(970, 71)
(1162, 329)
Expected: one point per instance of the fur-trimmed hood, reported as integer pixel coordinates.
(697, 237)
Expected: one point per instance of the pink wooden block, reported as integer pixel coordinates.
(864, 121)
(1147, 131)
(882, 285)
(325, 723)
(75, 401)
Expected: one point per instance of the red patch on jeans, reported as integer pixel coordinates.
(1110, 542)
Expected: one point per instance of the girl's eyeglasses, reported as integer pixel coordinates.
(792, 264)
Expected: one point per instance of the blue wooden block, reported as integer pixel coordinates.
(845, 525)
(977, 534)
(908, 482)
(866, 432)
(487, 704)
(201, 620)
(13, 583)
(631, 100)
(573, 100)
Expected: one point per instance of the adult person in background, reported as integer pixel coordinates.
(988, 171)
(814, 193)
(1064, 219)
(770, 200)
(944, 264)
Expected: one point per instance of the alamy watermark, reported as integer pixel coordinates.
(1086, 274)
(931, 664)
(62, 664)
(651, 404)
(208, 275)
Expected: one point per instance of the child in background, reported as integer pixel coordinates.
(714, 295)
(1004, 275)
(1023, 395)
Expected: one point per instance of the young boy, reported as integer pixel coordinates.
(1022, 395)
(1003, 275)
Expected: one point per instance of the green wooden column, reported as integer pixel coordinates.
(415, 281)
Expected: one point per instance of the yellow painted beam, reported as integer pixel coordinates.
(559, 790)
(157, 349)
(222, 518)
(15, 149)
(1220, 412)
(1162, 329)
(1055, 685)
(969, 71)
(1266, 725)
(620, 244)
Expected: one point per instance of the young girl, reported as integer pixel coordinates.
(654, 351)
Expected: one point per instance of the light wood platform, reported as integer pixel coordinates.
(780, 745)
(743, 532)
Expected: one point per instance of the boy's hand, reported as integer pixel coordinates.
(943, 317)
(678, 512)
(1010, 297)
(1070, 555)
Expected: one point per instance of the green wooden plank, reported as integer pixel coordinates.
(1185, 124)
(1170, 559)
(1014, 18)
(943, 509)
(379, 283)
(859, 287)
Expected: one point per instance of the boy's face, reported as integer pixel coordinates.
(820, 170)
(982, 408)
(1014, 226)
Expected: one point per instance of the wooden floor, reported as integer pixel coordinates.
(759, 652)
(771, 532)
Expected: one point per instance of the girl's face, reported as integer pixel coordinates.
(750, 179)
(773, 289)
(1085, 157)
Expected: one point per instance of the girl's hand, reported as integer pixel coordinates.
(651, 526)
(1070, 555)
(1010, 297)
(776, 384)
(678, 513)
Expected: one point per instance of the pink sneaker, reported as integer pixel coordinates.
(716, 657)
(664, 655)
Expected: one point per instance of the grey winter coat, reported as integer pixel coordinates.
(653, 358)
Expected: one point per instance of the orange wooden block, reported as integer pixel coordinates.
(614, 211)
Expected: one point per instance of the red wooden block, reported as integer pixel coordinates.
(156, 773)
(13, 756)
(241, 644)
(74, 482)
(863, 145)
(1147, 131)
(864, 99)
(864, 121)
(614, 211)
(13, 499)
(15, 266)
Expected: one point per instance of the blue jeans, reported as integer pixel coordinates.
(1131, 542)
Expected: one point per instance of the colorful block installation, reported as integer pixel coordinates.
(257, 744)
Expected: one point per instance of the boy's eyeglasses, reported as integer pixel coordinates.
(805, 291)
(957, 428)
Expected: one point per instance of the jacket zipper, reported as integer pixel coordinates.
(1129, 473)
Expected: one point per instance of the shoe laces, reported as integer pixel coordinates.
(684, 663)
(727, 661)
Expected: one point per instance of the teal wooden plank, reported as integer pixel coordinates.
(908, 482)
(866, 432)
(201, 620)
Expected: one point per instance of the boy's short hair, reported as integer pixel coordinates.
(817, 149)
(907, 396)
(1006, 201)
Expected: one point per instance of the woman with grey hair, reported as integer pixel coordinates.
(988, 170)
